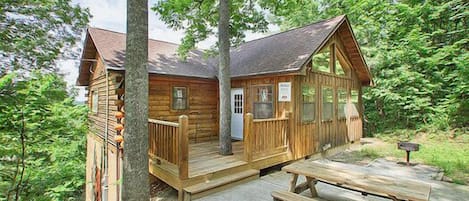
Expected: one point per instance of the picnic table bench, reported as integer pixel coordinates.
(366, 183)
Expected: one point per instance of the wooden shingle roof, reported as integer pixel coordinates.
(284, 52)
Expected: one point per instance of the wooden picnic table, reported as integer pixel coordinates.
(384, 186)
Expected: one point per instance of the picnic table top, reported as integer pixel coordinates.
(398, 188)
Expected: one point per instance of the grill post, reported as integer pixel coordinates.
(408, 147)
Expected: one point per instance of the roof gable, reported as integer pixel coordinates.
(283, 52)
(162, 56)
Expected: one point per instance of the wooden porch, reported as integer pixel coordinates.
(198, 169)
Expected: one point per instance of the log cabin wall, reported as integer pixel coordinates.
(202, 107)
(97, 85)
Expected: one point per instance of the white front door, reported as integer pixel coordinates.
(237, 107)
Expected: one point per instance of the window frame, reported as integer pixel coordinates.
(335, 55)
(339, 117)
(173, 98)
(323, 88)
(338, 57)
(314, 97)
(355, 104)
(316, 69)
(272, 102)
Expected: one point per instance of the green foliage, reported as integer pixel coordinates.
(417, 51)
(199, 20)
(33, 33)
(42, 139)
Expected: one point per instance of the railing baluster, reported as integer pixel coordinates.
(265, 136)
(169, 142)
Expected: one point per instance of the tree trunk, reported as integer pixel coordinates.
(224, 77)
(135, 174)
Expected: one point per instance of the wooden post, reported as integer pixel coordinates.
(248, 138)
(291, 126)
(183, 147)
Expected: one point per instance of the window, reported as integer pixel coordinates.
(354, 99)
(321, 60)
(339, 70)
(309, 103)
(238, 104)
(94, 102)
(342, 99)
(330, 60)
(327, 104)
(263, 102)
(179, 101)
(338, 67)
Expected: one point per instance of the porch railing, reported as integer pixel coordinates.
(264, 137)
(169, 141)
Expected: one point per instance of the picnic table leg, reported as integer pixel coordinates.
(312, 186)
(293, 182)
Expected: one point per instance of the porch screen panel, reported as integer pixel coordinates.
(263, 102)
(309, 103)
(327, 104)
(341, 106)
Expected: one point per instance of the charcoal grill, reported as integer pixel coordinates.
(408, 147)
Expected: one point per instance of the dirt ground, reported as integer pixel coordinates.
(260, 189)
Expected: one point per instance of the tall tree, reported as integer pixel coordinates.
(199, 19)
(34, 33)
(224, 77)
(135, 175)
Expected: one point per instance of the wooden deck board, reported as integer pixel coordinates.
(204, 158)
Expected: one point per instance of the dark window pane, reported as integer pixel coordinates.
(263, 102)
(263, 110)
(309, 111)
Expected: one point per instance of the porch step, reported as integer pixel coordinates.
(219, 184)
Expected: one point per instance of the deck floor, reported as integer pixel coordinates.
(204, 158)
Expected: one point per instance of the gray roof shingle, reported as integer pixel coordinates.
(278, 53)
(281, 52)
(162, 56)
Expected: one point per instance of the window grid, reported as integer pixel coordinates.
(238, 104)
(263, 102)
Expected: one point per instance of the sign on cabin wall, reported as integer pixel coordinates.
(284, 91)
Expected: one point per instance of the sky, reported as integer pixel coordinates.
(111, 15)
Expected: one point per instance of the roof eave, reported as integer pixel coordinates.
(370, 76)
(120, 68)
(78, 81)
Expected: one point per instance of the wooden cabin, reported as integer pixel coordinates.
(294, 94)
